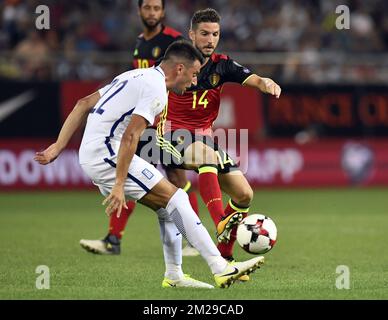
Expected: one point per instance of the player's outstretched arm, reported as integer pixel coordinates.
(75, 119)
(116, 200)
(265, 85)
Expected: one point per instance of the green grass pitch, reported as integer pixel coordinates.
(318, 230)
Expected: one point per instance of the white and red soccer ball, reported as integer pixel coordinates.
(257, 234)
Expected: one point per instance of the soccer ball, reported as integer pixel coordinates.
(257, 234)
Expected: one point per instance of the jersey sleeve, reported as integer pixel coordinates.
(151, 102)
(104, 89)
(232, 71)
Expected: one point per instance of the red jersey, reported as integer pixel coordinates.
(198, 108)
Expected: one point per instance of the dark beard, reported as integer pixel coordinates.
(150, 27)
(203, 54)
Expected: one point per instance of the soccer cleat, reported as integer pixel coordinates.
(185, 282)
(244, 277)
(190, 251)
(225, 226)
(235, 270)
(110, 245)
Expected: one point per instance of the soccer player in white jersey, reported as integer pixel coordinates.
(116, 117)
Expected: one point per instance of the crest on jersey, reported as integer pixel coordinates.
(214, 79)
(156, 52)
(136, 52)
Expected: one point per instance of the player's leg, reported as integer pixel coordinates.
(233, 213)
(176, 203)
(171, 160)
(202, 158)
(188, 224)
(178, 178)
(111, 244)
(237, 187)
(147, 185)
(206, 151)
(117, 224)
(193, 159)
(172, 251)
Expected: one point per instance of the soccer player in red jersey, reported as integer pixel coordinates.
(150, 47)
(193, 114)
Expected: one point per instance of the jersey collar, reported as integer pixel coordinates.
(160, 70)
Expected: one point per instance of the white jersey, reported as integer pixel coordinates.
(141, 92)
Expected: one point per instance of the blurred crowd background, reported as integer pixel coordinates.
(292, 41)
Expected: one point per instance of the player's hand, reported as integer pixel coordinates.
(271, 87)
(48, 155)
(115, 201)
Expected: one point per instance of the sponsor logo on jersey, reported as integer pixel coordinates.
(214, 79)
(148, 174)
(156, 52)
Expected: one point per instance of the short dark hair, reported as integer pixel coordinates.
(183, 49)
(206, 15)
(140, 3)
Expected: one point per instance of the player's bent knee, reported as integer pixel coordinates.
(176, 178)
(245, 196)
(160, 195)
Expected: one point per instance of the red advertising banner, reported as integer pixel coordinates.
(241, 108)
(275, 163)
(18, 170)
(72, 91)
(327, 163)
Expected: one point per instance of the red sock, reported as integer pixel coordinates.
(210, 191)
(117, 225)
(194, 201)
(226, 249)
(192, 197)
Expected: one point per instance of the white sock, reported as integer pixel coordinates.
(172, 246)
(192, 229)
(173, 271)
